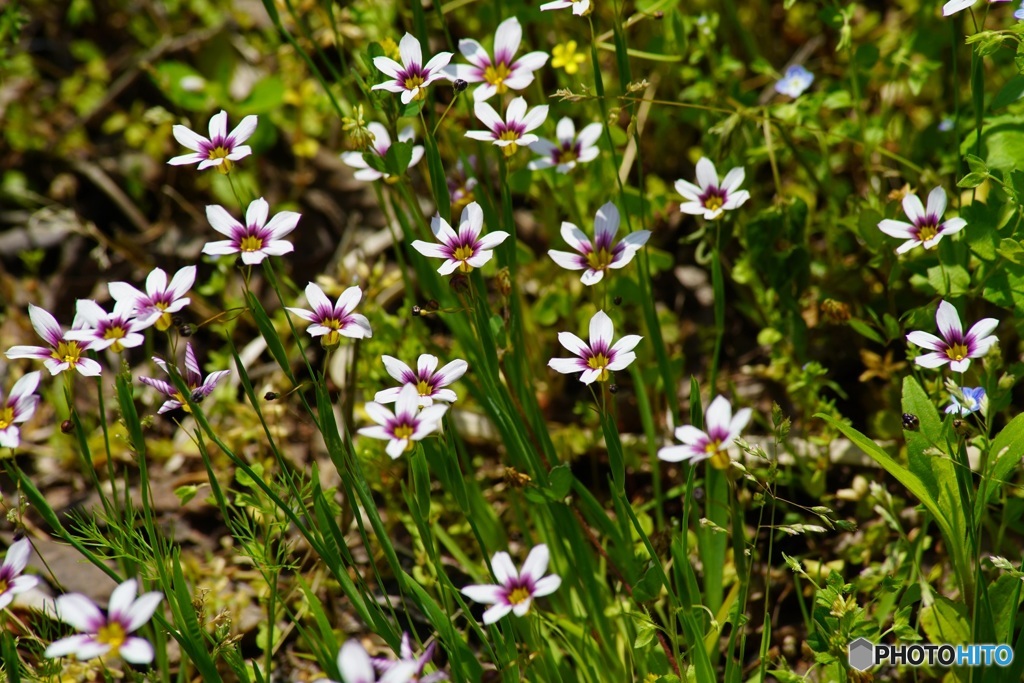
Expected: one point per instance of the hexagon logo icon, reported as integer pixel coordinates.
(861, 654)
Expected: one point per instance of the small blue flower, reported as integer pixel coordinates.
(972, 401)
(1019, 14)
(795, 82)
(946, 124)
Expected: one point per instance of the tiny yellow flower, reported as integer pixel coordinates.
(564, 56)
(390, 48)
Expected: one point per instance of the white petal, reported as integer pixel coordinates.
(913, 207)
(707, 176)
(948, 320)
(222, 221)
(718, 415)
(937, 203)
(536, 563)
(485, 594)
(504, 570)
(601, 329)
(78, 611)
(409, 48)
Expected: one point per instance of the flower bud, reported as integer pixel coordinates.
(270, 396)
(67, 426)
(460, 85)
(185, 330)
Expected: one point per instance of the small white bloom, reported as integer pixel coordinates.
(117, 330)
(579, 7)
(955, 347)
(722, 428)
(155, 306)
(568, 149)
(595, 258)
(796, 80)
(504, 72)
(926, 227)
(430, 382)
(412, 76)
(255, 240)
(596, 359)
(18, 407)
(466, 249)
(106, 633)
(512, 131)
(64, 353)
(333, 321)
(409, 423)
(515, 590)
(708, 198)
(221, 149)
(12, 581)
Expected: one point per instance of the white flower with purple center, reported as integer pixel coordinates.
(106, 633)
(708, 197)
(408, 667)
(954, 6)
(568, 149)
(221, 149)
(504, 72)
(255, 240)
(412, 76)
(355, 666)
(18, 407)
(117, 330)
(598, 358)
(722, 428)
(380, 146)
(12, 581)
(796, 80)
(430, 382)
(580, 7)
(513, 130)
(955, 347)
(514, 590)
(63, 353)
(198, 387)
(160, 300)
(466, 249)
(407, 425)
(971, 402)
(595, 258)
(926, 226)
(330, 321)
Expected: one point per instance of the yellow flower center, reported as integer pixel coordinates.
(220, 152)
(713, 203)
(117, 332)
(927, 232)
(112, 634)
(424, 388)
(181, 399)
(404, 432)
(957, 352)
(413, 82)
(496, 75)
(163, 323)
(6, 420)
(600, 259)
(599, 362)
(462, 255)
(332, 338)
(567, 156)
(3, 586)
(67, 352)
(518, 595)
(250, 243)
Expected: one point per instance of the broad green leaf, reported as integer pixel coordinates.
(945, 621)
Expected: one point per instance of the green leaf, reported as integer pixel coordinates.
(948, 281)
(560, 481)
(972, 180)
(1004, 455)
(186, 493)
(1011, 250)
(644, 635)
(397, 159)
(945, 621)
(863, 329)
(266, 96)
(976, 164)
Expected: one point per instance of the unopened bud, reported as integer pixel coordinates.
(617, 301)
(504, 282)
(459, 283)
(270, 396)
(433, 306)
(417, 311)
(177, 320)
(613, 388)
(460, 85)
(185, 330)
(67, 426)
